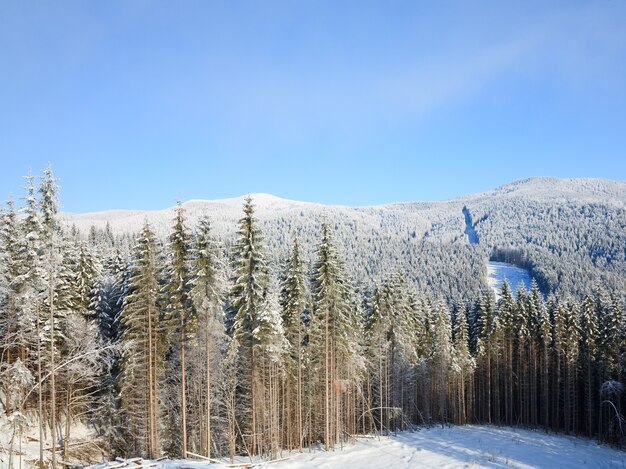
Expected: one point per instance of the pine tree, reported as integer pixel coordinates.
(14, 343)
(271, 347)
(108, 304)
(391, 353)
(545, 364)
(463, 363)
(30, 287)
(141, 359)
(522, 363)
(181, 314)
(567, 338)
(332, 336)
(588, 355)
(404, 355)
(573, 356)
(109, 297)
(293, 301)
(507, 318)
(610, 341)
(378, 330)
(486, 350)
(207, 298)
(441, 358)
(247, 297)
(86, 278)
(534, 305)
(49, 208)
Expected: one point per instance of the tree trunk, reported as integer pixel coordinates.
(52, 377)
(68, 423)
(183, 390)
(207, 353)
(299, 423)
(151, 394)
(327, 441)
(39, 392)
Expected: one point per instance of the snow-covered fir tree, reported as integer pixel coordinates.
(142, 360)
(333, 341)
(156, 351)
(180, 321)
(207, 296)
(294, 303)
(246, 301)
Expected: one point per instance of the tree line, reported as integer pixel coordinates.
(186, 348)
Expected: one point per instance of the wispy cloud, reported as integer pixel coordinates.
(566, 46)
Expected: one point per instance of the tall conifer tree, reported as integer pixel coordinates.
(142, 358)
(247, 297)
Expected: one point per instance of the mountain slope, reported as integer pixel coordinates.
(569, 232)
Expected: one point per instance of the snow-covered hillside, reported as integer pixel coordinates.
(269, 206)
(570, 230)
(501, 271)
(452, 447)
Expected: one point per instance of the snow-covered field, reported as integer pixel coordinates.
(497, 272)
(450, 447)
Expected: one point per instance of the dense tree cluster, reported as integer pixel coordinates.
(187, 346)
(566, 246)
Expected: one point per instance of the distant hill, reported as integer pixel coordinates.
(571, 233)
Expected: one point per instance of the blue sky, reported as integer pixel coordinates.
(140, 103)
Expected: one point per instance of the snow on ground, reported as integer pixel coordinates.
(450, 447)
(497, 272)
(84, 443)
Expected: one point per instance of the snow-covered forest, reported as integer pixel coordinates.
(200, 339)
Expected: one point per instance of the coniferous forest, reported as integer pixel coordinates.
(195, 345)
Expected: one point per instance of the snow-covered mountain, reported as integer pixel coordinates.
(539, 189)
(564, 229)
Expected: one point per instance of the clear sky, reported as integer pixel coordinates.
(140, 103)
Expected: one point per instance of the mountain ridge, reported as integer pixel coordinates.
(589, 186)
(569, 233)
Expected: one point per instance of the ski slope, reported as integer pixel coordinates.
(498, 272)
(450, 447)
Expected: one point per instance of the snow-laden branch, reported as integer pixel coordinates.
(64, 364)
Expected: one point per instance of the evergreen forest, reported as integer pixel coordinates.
(190, 344)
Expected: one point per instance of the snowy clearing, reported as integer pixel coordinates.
(497, 272)
(451, 447)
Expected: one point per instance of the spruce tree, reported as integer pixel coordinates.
(141, 360)
(14, 343)
(293, 301)
(271, 348)
(247, 297)
(522, 360)
(109, 297)
(378, 329)
(589, 337)
(545, 364)
(180, 316)
(610, 341)
(534, 305)
(49, 207)
(441, 358)
(332, 335)
(509, 324)
(86, 278)
(486, 351)
(463, 363)
(31, 286)
(206, 293)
